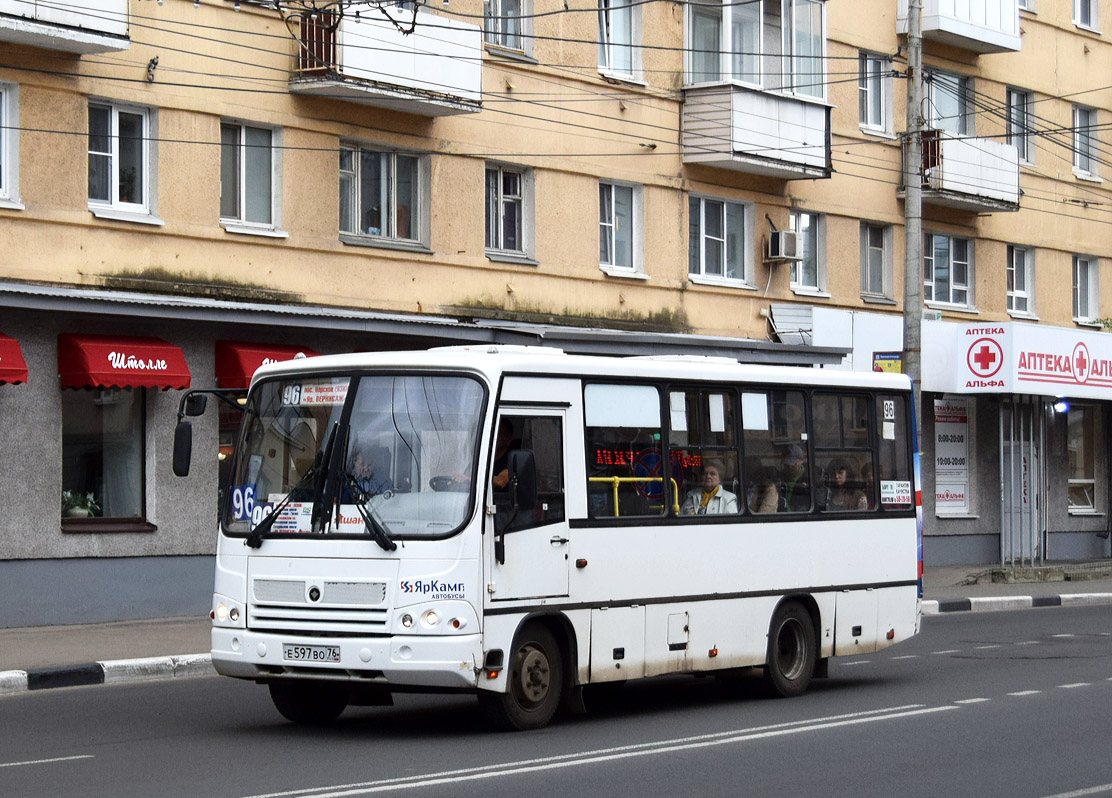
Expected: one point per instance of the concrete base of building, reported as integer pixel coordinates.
(97, 590)
(942, 550)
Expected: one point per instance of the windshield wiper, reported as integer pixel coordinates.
(316, 471)
(376, 530)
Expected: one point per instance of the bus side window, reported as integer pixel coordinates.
(544, 437)
(843, 453)
(625, 464)
(893, 470)
(702, 432)
(775, 439)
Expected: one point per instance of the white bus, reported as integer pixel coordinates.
(519, 523)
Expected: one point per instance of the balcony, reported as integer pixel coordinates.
(969, 174)
(434, 71)
(980, 26)
(748, 130)
(93, 26)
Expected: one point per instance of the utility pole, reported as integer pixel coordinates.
(913, 208)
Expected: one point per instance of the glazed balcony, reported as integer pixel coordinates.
(980, 26)
(969, 173)
(93, 26)
(434, 71)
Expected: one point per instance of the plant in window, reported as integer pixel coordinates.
(76, 504)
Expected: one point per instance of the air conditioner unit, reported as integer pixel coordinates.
(785, 245)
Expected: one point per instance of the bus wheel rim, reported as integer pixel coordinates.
(790, 649)
(534, 677)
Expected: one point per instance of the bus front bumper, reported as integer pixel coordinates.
(422, 661)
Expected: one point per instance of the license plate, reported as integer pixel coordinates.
(311, 653)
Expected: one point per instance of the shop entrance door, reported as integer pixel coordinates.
(1023, 481)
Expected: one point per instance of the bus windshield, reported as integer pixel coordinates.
(389, 456)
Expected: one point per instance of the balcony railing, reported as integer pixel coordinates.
(434, 71)
(981, 26)
(969, 173)
(748, 130)
(91, 26)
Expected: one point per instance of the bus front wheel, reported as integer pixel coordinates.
(791, 650)
(309, 703)
(535, 683)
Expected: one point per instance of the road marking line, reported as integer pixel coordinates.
(1071, 686)
(948, 651)
(1066, 635)
(1028, 643)
(907, 656)
(608, 754)
(45, 761)
(982, 648)
(972, 700)
(1026, 692)
(855, 662)
(1080, 793)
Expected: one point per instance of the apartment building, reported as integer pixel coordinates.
(189, 188)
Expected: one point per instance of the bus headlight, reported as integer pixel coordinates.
(430, 618)
(226, 612)
(407, 620)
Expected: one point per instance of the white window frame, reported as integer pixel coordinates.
(351, 183)
(1083, 9)
(697, 234)
(1085, 145)
(9, 147)
(609, 12)
(1086, 270)
(1020, 300)
(777, 64)
(499, 26)
(814, 247)
(498, 251)
(965, 122)
(610, 227)
(112, 207)
(874, 87)
(238, 223)
(1027, 5)
(953, 286)
(886, 255)
(1020, 124)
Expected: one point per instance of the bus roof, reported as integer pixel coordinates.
(495, 360)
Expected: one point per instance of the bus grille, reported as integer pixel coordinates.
(344, 608)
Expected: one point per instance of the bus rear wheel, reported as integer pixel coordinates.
(791, 650)
(536, 683)
(309, 703)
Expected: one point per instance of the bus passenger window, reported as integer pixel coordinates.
(893, 471)
(703, 474)
(625, 464)
(842, 452)
(774, 425)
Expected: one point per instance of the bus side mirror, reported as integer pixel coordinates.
(183, 448)
(523, 479)
(195, 404)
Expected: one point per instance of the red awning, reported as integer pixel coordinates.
(237, 361)
(103, 361)
(13, 368)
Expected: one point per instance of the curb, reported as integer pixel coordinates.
(123, 671)
(987, 604)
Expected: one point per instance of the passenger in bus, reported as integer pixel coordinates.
(711, 498)
(762, 495)
(868, 482)
(793, 474)
(841, 493)
(502, 446)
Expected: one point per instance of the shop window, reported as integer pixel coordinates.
(103, 453)
(1081, 442)
(625, 465)
(702, 462)
(777, 466)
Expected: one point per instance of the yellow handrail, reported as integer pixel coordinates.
(616, 481)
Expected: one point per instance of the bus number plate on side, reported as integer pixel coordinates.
(311, 653)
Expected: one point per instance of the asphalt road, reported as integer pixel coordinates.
(1015, 704)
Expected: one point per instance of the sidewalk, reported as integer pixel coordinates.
(33, 658)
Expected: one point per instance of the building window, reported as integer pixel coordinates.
(617, 226)
(808, 274)
(380, 194)
(1027, 5)
(246, 175)
(507, 24)
(874, 93)
(507, 207)
(1021, 280)
(1082, 443)
(777, 45)
(119, 156)
(1084, 141)
(1085, 13)
(718, 240)
(948, 102)
(617, 35)
(1086, 306)
(947, 269)
(876, 260)
(9, 146)
(103, 452)
(1020, 124)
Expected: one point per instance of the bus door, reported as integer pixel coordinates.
(529, 547)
